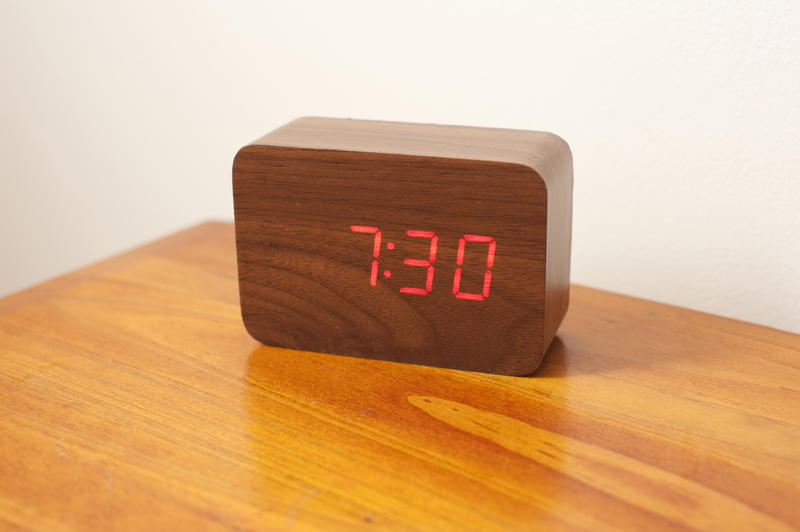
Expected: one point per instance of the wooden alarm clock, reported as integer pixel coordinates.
(439, 245)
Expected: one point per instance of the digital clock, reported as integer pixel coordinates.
(418, 243)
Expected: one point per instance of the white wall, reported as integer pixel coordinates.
(119, 123)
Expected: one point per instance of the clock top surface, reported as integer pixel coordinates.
(541, 151)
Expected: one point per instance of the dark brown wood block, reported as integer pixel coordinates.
(436, 245)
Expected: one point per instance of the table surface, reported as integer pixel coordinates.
(131, 396)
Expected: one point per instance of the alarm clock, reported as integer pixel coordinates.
(439, 245)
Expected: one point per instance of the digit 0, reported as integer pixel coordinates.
(376, 249)
(487, 277)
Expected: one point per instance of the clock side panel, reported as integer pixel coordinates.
(390, 256)
(559, 237)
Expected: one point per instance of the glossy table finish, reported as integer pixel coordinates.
(131, 397)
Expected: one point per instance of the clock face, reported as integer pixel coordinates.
(429, 262)
(414, 259)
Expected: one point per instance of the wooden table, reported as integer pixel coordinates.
(131, 397)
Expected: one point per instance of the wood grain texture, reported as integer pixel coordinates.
(546, 153)
(131, 397)
(304, 274)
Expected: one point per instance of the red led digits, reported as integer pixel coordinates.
(423, 263)
(462, 245)
(487, 277)
(376, 249)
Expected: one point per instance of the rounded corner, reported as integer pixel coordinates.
(559, 140)
(240, 152)
(537, 178)
(249, 323)
(521, 368)
(249, 329)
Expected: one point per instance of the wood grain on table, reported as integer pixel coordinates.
(131, 397)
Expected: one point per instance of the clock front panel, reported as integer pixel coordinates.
(413, 259)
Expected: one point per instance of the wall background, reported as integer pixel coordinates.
(120, 122)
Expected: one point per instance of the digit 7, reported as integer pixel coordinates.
(376, 248)
(487, 277)
(422, 263)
